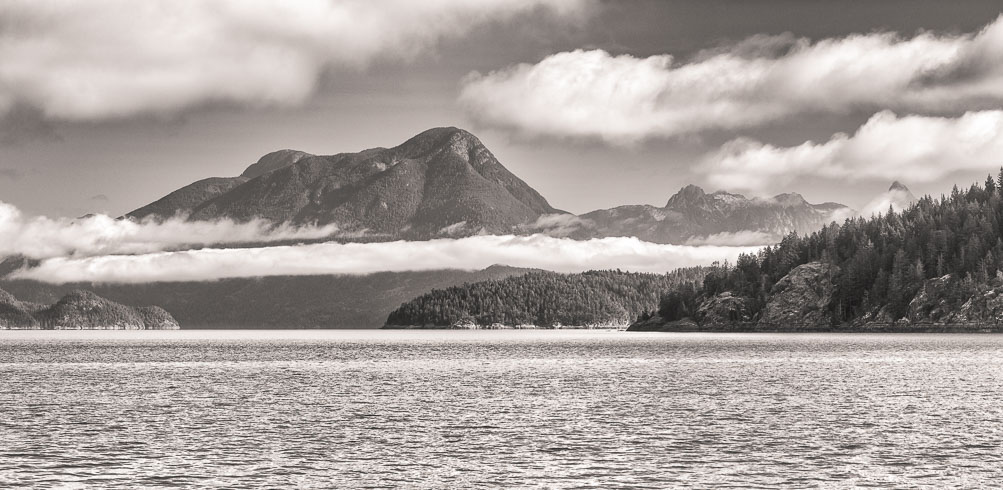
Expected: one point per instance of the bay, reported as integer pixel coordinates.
(549, 409)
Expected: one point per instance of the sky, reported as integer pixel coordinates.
(108, 105)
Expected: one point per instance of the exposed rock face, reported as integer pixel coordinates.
(801, 297)
(724, 309)
(81, 310)
(692, 215)
(658, 324)
(930, 305)
(441, 179)
(937, 302)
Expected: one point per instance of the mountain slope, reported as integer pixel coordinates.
(440, 182)
(182, 201)
(694, 215)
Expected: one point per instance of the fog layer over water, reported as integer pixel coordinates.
(501, 408)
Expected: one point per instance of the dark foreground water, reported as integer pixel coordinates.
(434, 409)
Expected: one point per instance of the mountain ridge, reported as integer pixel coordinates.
(441, 181)
(692, 214)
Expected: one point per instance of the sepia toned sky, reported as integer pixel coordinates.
(110, 104)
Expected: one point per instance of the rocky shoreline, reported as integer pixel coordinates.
(801, 302)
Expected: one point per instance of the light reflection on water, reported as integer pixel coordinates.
(498, 408)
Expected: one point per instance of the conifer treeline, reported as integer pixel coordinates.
(545, 299)
(882, 261)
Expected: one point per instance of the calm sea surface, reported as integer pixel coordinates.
(554, 409)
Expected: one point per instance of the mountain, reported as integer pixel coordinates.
(81, 310)
(694, 216)
(542, 299)
(440, 182)
(898, 197)
(935, 266)
(273, 302)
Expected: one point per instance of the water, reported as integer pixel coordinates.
(432, 409)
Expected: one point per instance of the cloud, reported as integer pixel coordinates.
(924, 148)
(737, 239)
(558, 225)
(477, 252)
(898, 198)
(625, 99)
(99, 197)
(117, 58)
(42, 237)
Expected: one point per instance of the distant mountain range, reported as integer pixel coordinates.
(696, 217)
(445, 182)
(81, 310)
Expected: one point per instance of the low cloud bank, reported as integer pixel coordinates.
(42, 237)
(477, 252)
(736, 239)
(624, 99)
(559, 225)
(886, 147)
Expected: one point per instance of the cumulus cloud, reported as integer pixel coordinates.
(42, 237)
(114, 58)
(478, 252)
(886, 147)
(624, 99)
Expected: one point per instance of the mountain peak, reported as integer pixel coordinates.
(273, 161)
(898, 186)
(688, 194)
(790, 199)
(457, 140)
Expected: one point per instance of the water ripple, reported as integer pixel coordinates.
(495, 408)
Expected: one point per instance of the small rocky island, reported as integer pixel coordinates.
(81, 310)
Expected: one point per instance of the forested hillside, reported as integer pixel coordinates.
(544, 299)
(938, 261)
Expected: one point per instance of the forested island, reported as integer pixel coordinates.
(81, 310)
(543, 299)
(936, 266)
